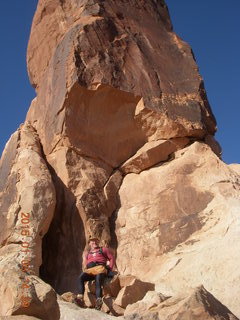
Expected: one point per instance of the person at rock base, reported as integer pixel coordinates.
(96, 263)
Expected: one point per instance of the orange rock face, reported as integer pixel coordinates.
(105, 45)
(108, 148)
(108, 85)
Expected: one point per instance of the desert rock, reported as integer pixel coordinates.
(27, 206)
(71, 311)
(150, 301)
(135, 291)
(152, 153)
(235, 167)
(185, 221)
(18, 318)
(199, 304)
(96, 107)
(118, 144)
(89, 90)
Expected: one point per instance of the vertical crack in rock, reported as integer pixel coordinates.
(64, 241)
(84, 207)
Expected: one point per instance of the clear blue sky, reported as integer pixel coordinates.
(211, 27)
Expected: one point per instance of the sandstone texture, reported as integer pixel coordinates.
(185, 226)
(152, 153)
(73, 312)
(135, 291)
(235, 167)
(117, 144)
(151, 300)
(27, 207)
(22, 317)
(138, 301)
(118, 294)
(111, 100)
(199, 304)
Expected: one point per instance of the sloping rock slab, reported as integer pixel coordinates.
(134, 292)
(199, 305)
(70, 311)
(152, 153)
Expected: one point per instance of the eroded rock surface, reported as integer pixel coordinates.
(152, 153)
(183, 225)
(27, 207)
(199, 304)
(108, 91)
(192, 304)
(71, 311)
(115, 145)
(118, 293)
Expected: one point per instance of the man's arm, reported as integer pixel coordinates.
(84, 262)
(107, 252)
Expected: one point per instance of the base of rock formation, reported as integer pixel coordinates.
(136, 300)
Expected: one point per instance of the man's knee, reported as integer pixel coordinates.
(100, 277)
(82, 277)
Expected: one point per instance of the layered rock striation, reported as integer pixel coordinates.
(119, 144)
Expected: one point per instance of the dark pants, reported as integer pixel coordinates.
(99, 279)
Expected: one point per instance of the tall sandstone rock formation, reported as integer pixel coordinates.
(119, 144)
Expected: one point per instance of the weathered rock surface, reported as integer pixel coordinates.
(200, 304)
(96, 50)
(135, 291)
(118, 292)
(70, 311)
(27, 206)
(18, 318)
(152, 153)
(98, 46)
(183, 225)
(108, 86)
(235, 167)
(108, 150)
(150, 301)
(191, 304)
(213, 144)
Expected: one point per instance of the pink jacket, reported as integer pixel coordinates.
(102, 255)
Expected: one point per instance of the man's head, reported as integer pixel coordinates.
(93, 243)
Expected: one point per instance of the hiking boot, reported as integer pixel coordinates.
(79, 300)
(98, 304)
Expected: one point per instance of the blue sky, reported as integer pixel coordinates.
(16, 92)
(210, 26)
